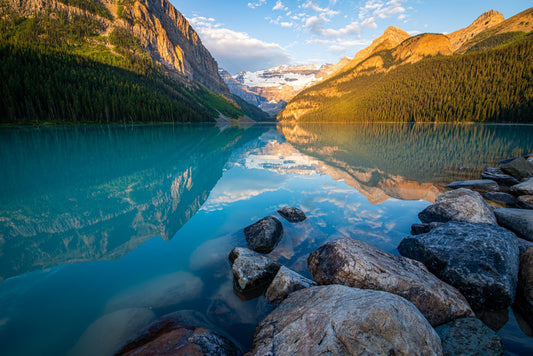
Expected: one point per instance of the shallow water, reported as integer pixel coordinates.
(104, 228)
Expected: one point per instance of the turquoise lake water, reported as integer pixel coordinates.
(105, 228)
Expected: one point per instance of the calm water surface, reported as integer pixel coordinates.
(105, 228)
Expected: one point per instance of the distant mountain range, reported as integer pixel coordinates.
(482, 73)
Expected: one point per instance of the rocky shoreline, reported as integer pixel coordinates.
(466, 259)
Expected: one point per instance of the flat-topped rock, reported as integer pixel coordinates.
(497, 175)
(358, 264)
(480, 260)
(292, 214)
(339, 320)
(519, 168)
(285, 282)
(524, 188)
(263, 235)
(252, 272)
(479, 185)
(469, 336)
(520, 221)
(458, 205)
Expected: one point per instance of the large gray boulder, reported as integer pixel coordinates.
(520, 221)
(524, 188)
(292, 214)
(263, 235)
(339, 320)
(285, 282)
(481, 260)
(358, 264)
(458, 205)
(525, 285)
(177, 334)
(252, 272)
(497, 175)
(469, 336)
(479, 185)
(519, 168)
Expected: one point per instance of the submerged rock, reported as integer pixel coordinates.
(264, 235)
(174, 335)
(285, 282)
(469, 336)
(292, 214)
(458, 205)
(252, 272)
(520, 221)
(107, 334)
(417, 229)
(358, 264)
(497, 175)
(479, 185)
(524, 188)
(525, 285)
(339, 320)
(481, 260)
(519, 168)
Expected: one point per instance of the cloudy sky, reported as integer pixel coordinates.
(258, 34)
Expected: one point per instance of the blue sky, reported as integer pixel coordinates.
(259, 34)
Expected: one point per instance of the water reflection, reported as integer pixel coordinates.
(406, 161)
(84, 193)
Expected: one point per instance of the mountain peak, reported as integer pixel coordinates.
(487, 20)
(489, 15)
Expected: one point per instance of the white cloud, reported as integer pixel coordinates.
(383, 9)
(237, 51)
(279, 6)
(253, 5)
(324, 12)
(286, 24)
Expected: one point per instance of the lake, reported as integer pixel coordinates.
(105, 228)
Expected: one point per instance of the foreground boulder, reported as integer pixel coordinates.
(525, 285)
(497, 175)
(173, 335)
(339, 320)
(252, 272)
(264, 235)
(481, 260)
(285, 282)
(524, 188)
(358, 264)
(479, 185)
(458, 205)
(520, 221)
(292, 214)
(469, 336)
(519, 168)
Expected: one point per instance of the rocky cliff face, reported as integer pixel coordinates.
(485, 21)
(161, 30)
(416, 48)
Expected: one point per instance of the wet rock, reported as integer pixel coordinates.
(286, 282)
(164, 291)
(479, 185)
(264, 235)
(292, 214)
(497, 175)
(252, 272)
(525, 285)
(503, 199)
(524, 188)
(520, 221)
(172, 335)
(358, 264)
(481, 260)
(469, 336)
(458, 205)
(107, 334)
(525, 201)
(519, 168)
(417, 229)
(339, 320)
